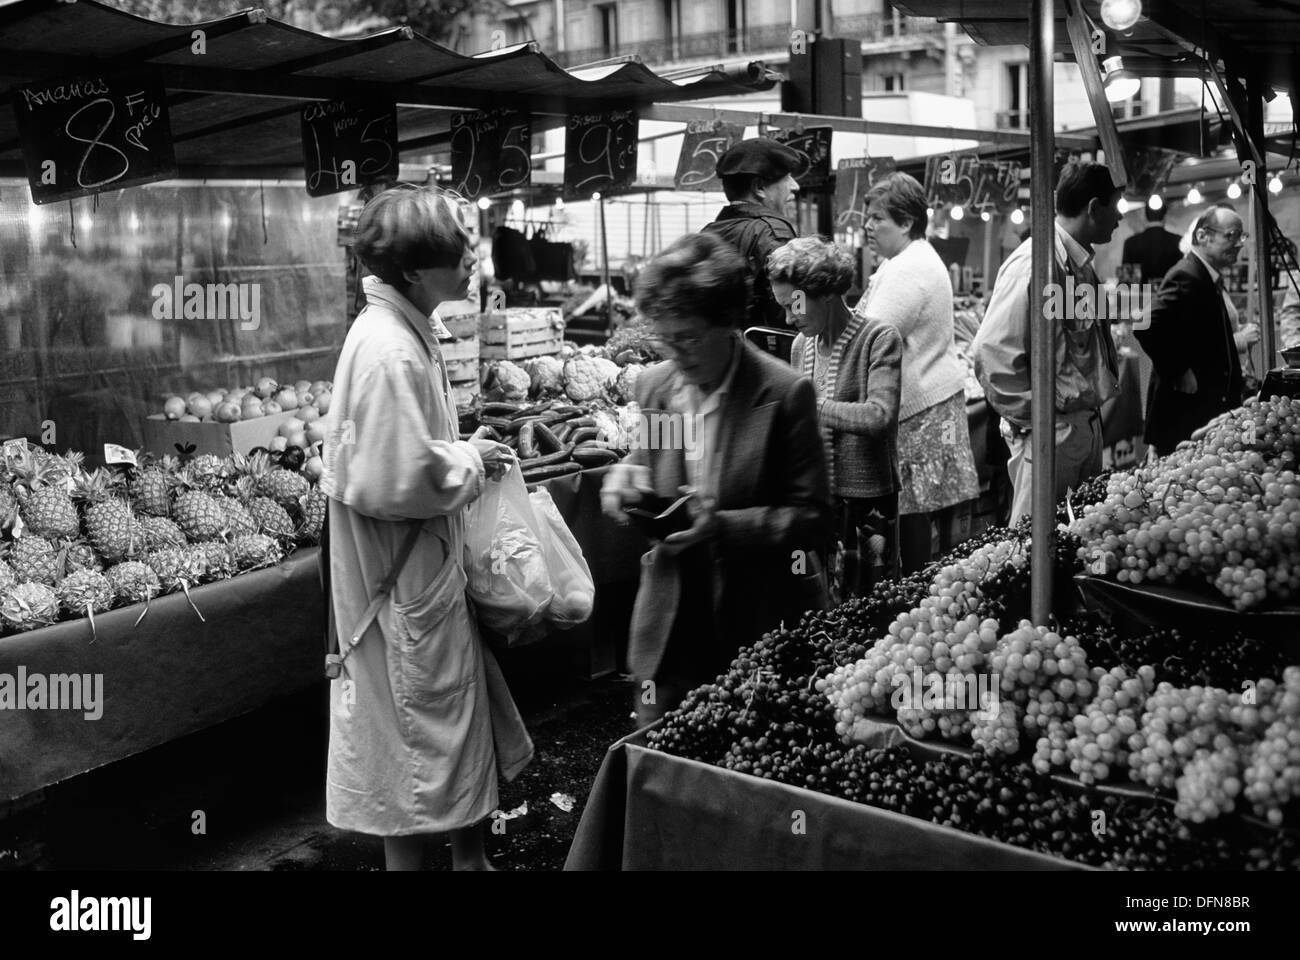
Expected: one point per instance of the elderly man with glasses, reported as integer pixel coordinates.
(1191, 339)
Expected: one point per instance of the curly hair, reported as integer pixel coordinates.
(818, 267)
(699, 275)
(410, 228)
(904, 199)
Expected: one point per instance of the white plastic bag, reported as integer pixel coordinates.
(505, 565)
(574, 591)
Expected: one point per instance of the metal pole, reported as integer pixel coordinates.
(604, 259)
(1259, 228)
(988, 252)
(1042, 340)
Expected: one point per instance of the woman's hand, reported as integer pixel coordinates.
(497, 457)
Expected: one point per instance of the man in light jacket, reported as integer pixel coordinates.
(1087, 367)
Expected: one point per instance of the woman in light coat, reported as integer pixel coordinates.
(420, 720)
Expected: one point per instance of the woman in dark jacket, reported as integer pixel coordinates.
(853, 362)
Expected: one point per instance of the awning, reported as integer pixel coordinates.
(235, 109)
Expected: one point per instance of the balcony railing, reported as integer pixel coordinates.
(768, 38)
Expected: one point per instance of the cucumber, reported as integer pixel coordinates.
(545, 460)
(547, 441)
(497, 423)
(501, 408)
(535, 410)
(583, 434)
(513, 426)
(538, 474)
(562, 432)
(482, 433)
(590, 456)
(527, 444)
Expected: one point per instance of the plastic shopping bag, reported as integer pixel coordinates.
(505, 565)
(574, 591)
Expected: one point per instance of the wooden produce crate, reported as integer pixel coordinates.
(462, 358)
(521, 332)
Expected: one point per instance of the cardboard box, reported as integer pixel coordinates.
(221, 439)
(521, 332)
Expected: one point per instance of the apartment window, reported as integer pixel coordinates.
(519, 29)
(672, 36)
(1017, 100)
(607, 28)
(894, 82)
(735, 25)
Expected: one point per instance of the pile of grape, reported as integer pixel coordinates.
(1094, 742)
(1223, 511)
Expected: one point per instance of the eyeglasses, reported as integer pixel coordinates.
(1232, 235)
(677, 344)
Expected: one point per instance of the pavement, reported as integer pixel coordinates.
(249, 794)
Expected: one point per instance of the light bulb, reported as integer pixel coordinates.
(1017, 216)
(596, 195)
(1120, 84)
(1155, 201)
(1234, 191)
(484, 203)
(957, 212)
(133, 222)
(1274, 184)
(517, 209)
(985, 216)
(1120, 15)
(1123, 206)
(929, 213)
(1193, 196)
(559, 203)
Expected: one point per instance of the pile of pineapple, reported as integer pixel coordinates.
(77, 542)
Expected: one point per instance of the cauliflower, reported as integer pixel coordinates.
(583, 379)
(611, 427)
(608, 370)
(624, 388)
(506, 381)
(546, 375)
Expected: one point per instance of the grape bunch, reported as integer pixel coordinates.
(1271, 774)
(1094, 742)
(1091, 491)
(1209, 785)
(1176, 723)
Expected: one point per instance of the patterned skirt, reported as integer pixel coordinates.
(935, 465)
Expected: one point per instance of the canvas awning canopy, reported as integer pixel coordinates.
(234, 109)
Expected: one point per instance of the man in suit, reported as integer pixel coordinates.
(758, 177)
(1191, 339)
(1154, 250)
(751, 453)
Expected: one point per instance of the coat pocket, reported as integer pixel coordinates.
(436, 638)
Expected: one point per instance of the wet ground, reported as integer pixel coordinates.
(259, 782)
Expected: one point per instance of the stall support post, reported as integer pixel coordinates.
(988, 253)
(1042, 342)
(604, 271)
(1259, 229)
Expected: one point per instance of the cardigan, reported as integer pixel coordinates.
(914, 292)
(859, 414)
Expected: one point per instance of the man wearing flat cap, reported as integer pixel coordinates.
(758, 177)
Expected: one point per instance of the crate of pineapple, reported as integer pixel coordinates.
(517, 333)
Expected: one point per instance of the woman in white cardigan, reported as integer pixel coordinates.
(911, 290)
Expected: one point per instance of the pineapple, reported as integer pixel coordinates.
(177, 567)
(110, 526)
(151, 491)
(45, 506)
(7, 576)
(133, 582)
(270, 516)
(160, 532)
(26, 606)
(81, 556)
(86, 592)
(255, 550)
(8, 504)
(218, 564)
(207, 472)
(34, 559)
(313, 514)
(196, 512)
(285, 487)
(238, 519)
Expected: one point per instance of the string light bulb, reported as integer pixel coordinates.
(1155, 201)
(1234, 191)
(484, 203)
(1193, 196)
(1124, 206)
(1017, 216)
(1275, 184)
(957, 212)
(1120, 15)
(985, 216)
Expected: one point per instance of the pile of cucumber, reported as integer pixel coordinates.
(551, 439)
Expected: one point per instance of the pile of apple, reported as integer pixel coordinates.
(308, 400)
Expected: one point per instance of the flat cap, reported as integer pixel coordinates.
(762, 157)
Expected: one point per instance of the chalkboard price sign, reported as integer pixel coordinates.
(815, 144)
(491, 151)
(853, 178)
(348, 143)
(704, 142)
(83, 135)
(599, 152)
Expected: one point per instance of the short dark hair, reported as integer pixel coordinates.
(1208, 219)
(1081, 183)
(699, 275)
(410, 228)
(1155, 214)
(904, 199)
(738, 186)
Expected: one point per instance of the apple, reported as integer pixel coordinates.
(322, 401)
(316, 431)
(227, 411)
(313, 468)
(317, 387)
(189, 418)
(174, 408)
(270, 407)
(216, 396)
(238, 395)
(266, 387)
(287, 398)
(290, 427)
(278, 444)
(298, 439)
(200, 406)
(308, 414)
(303, 386)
